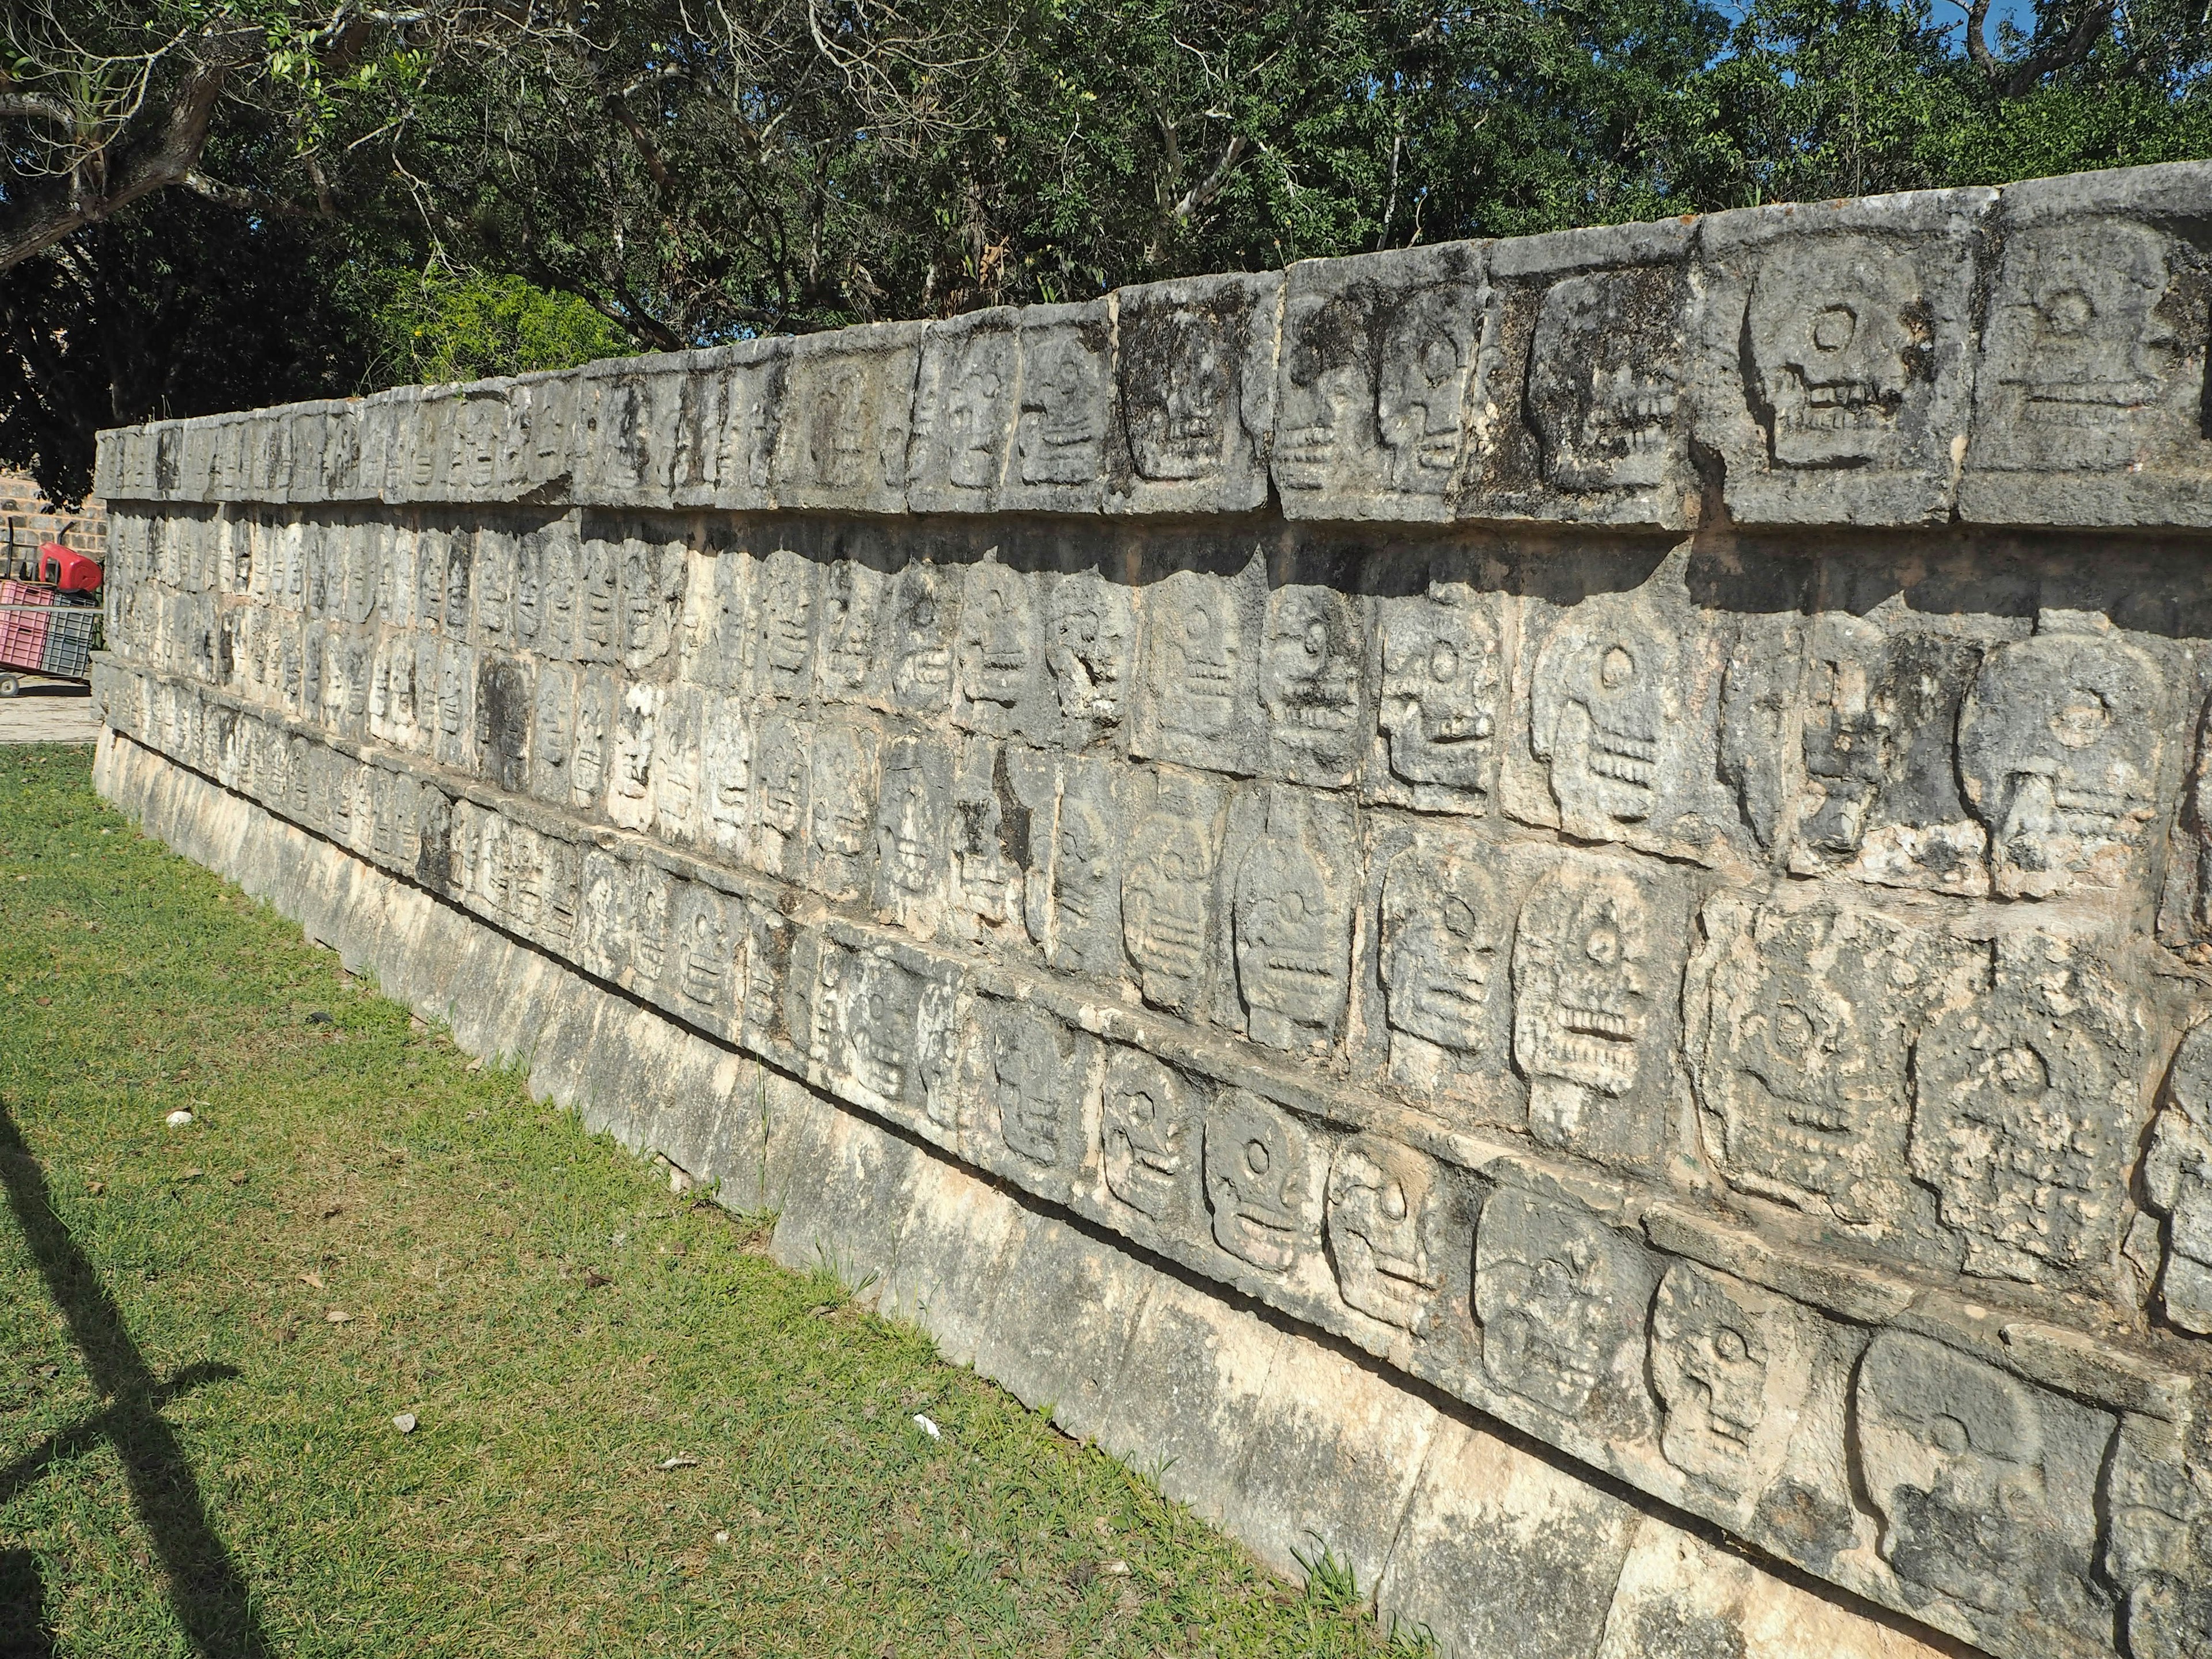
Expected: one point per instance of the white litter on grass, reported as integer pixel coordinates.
(679, 1462)
(928, 1427)
(179, 1119)
(405, 1422)
(721, 1538)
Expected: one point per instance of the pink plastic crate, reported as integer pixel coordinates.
(23, 632)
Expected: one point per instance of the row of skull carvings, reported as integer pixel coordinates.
(2027, 766)
(1935, 1475)
(1960, 1098)
(1846, 362)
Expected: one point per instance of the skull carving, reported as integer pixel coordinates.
(1164, 905)
(1838, 340)
(1731, 1367)
(1148, 1117)
(997, 636)
(1440, 683)
(1381, 1196)
(1033, 1083)
(1312, 667)
(1581, 992)
(1604, 706)
(1293, 940)
(2060, 745)
(1442, 923)
(1177, 408)
(1257, 1181)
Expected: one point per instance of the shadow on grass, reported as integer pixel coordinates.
(205, 1589)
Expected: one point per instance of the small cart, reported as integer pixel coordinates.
(50, 627)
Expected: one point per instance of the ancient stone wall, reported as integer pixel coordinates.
(1611, 821)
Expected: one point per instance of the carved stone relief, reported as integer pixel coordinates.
(1090, 628)
(964, 413)
(1562, 1298)
(1199, 671)
(913, 825)
(1443, 683)
(1291, 923)
(1168, 884)
(1313, 684)
(851, 605)
(1063, 409)
(2026, 1099)
(1034, 1076)
(841, 818)
(1084, 933)
(1001, 666)
(1383, 1200)
(1597, 952)
(1446, 927)
(1986, 1486)
(916, 675)
(1194, 376)
(1151, 1135)
(783, 640)
(2062, 745)
(629, 775)
(1731, 1364)
(780, 798)
(1262, 1183)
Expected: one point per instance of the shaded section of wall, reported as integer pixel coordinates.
(1294, 1445)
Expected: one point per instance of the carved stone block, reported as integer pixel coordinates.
(1090, 633)
(1878, 797)
(850, 606)
(1152, 1136)
(1034, 1083)
(1578, 405)
(1293, 886)
(963, 413)
(1443, 989)
(725, 776)
(728, 410)
(1597, 951)
(592, 753)
(1194, 384)
(1383, 1229)
(1562, 1298)
(2063, 746)
(841, 810)
(1377, 356)
(1732, 1365)
(1834, 367)
(1314, 685)
(678, 728)
(1199, 648)
(2089, 398)
(631, 753)
(1001, 683)
(1169, 878)
(848, 409)
(1445, 680)
(784, 589)
(782, 776)
(1064, 408)
(1000, 842)
(705, 988)
(2025, 1100)
(1264, 1182)
(1083, 930)
(1986, 1487)
(913, 830)
(1622, 735)
(503, 710)
(914, 671)
(1809, 1016)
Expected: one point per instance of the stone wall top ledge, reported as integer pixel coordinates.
(2033, 355)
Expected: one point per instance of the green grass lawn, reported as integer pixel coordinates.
(635, 1434)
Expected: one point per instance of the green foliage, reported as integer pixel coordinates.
(473, 325)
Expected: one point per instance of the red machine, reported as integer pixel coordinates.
(51, 626)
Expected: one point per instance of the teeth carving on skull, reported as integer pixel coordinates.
(1440, 685)
(1312, 661)
(1164, 894)
(997, 636)
(1033, 1081)
(1292, 925)
(1731, 1364)
(1582, 977)
(1600, 380)
(1838, 342)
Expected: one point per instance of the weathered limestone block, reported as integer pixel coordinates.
(1579, 402)
(848, 412)
(1855, 319)
(2088, 392)
(1371, 392)
(1194, 389)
